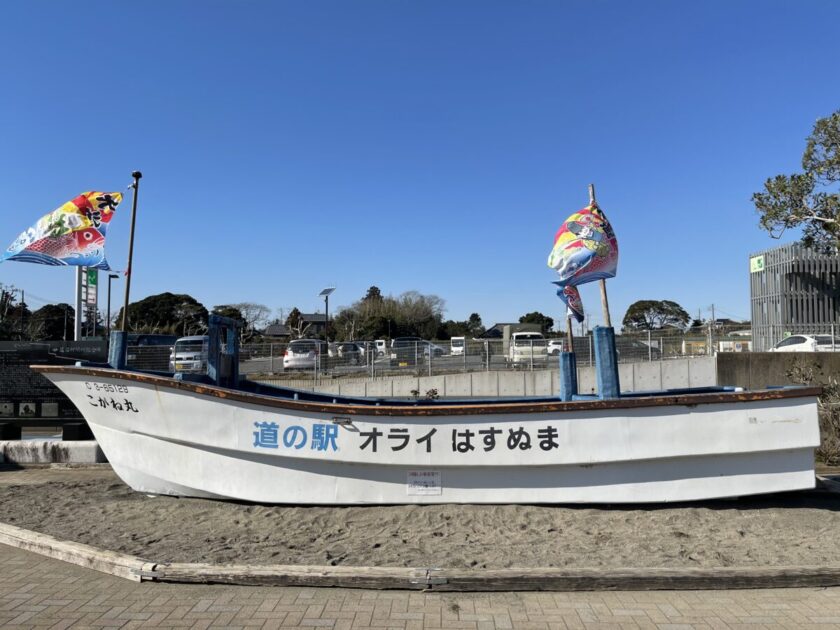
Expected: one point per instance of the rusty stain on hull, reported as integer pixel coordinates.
(421, 410)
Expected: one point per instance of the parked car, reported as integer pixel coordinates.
(555, 346)
(303, 354)
(189, 354)
(527, 347)
(367, 348)
(347, 352)
(808, 343)
(418, 345)
(433, 349)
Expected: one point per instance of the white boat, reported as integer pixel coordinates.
(168, 436)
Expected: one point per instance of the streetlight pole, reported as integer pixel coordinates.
(326, 294)
(111, 276)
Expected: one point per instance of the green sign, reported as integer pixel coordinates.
(756, 264)
(92, 277)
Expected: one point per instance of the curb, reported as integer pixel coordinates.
(428, 579)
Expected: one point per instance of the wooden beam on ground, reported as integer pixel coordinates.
(121, 565)
(540, 579)
(407, 578)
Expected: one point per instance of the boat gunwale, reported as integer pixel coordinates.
(663, 400)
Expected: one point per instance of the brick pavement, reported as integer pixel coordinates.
(37, 592)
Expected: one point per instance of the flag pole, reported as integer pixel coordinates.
(77, 305)
(605, 305)
(569, 333)
(135, 185)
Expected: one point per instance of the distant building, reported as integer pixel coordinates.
(313, 324)
(277, 331)
(793, 290)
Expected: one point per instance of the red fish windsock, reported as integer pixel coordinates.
(73, 234)
(571, 298)
(585, 249)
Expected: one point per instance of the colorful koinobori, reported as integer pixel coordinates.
(585, 249)
(73, 234)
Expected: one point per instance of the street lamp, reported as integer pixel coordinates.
(111, 276)
(326, 295)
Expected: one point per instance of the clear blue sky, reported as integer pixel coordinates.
(429, 146)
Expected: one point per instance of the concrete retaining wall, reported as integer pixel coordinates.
(50, 452)
(755, 370)
(671, 374)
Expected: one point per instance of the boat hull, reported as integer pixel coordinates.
(166, 437)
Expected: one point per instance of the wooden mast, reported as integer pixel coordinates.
(136, 184)
(605, 305)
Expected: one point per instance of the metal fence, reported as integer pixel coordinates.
(441, 357)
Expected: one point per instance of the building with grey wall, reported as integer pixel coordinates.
(793, 290)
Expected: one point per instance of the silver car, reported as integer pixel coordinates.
(303, 354)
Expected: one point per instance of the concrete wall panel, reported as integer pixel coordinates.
(646, 376)
(404, 386)
(485, 383)
(511, 383)
(381, 387)
(701, 372)
(587, 384)
(353, 388)
(457, 386)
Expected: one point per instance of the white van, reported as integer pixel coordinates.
(458, 345)
(189, 354)
(527, 347)
(381, 347)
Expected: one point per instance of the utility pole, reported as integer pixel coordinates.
(712, 331)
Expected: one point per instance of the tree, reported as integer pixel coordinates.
(176, 314)
(546, 323)
(476, 328)
(251, 317)
(375, 316)
(296, 324)
(471, 327)
(806, 200)
(653, 315)
(13, 315)
(52, 322)
(373, 293)
(16, 321)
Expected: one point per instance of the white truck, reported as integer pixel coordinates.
(458, 345)
(527, 348)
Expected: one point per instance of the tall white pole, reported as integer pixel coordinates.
(77, 322)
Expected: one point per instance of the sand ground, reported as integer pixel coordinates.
(92, 506)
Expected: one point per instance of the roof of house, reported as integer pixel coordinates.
(497, 330)
(277, 330)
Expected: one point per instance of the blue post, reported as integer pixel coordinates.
(231, 352)
(568, 376)
(117, 349)
(223, 353)
(214, 344)
(606, 362)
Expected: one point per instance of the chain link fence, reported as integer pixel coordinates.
(423, 358)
